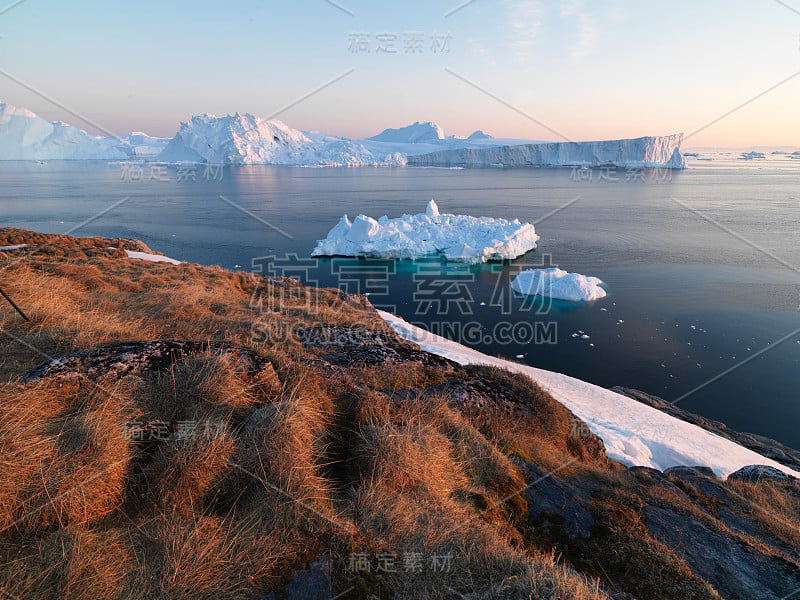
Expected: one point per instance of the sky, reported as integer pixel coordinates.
(532, 69)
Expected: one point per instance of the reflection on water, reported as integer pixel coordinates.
(687, 299)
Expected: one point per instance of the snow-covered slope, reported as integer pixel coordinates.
(650, 151)
(633, 433)
(460, 238)
(412, 134)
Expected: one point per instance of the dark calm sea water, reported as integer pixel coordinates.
(688, 299)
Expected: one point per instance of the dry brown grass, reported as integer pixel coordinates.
(370, 459)
(774, 506)
(431, 484)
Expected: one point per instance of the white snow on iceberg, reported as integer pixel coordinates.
(633, 433)
(26, 136)
(245, 140)
(558, 284)
(459, 238)
(412, 134)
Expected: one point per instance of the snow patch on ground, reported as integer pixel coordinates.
(459, 238)
(558, 284)
(633, 433)
(151, 257)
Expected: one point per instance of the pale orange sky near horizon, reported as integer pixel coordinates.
(584, 71)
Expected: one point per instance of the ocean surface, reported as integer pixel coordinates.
(701, 265)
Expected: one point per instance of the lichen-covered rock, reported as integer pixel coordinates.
(138, 358)
(756, 473)
(346, 346)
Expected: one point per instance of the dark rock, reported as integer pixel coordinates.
(346, 346)
(478, 394)
(757, 443)
(312, 583)
(138, 358)
(690, 472)
(702, 480)
(742, 524)
(735, 569)
(555, 503)
(756, 473)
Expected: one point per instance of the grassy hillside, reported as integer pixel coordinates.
(300, 427)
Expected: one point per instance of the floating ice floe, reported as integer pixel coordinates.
(558, 284)
(460, 238)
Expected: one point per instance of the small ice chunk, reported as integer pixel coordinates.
(558, 284)
(433, 209)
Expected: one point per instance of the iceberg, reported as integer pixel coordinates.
(558, 284)
(245, 140)
(458, 238)
(140, 145)
(412, 134)
(643, 152)
(752, 155)
(480, 135)
(26, 136)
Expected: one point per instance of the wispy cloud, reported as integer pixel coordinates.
(588, 32)
(525, 18)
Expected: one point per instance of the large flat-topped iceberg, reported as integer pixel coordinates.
(558, 284)
(459, 238)
(643, 152)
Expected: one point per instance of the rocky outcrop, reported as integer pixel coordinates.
(756, 473)
(138, 358)
(735, 569)
(349, 346)
(699, 518)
